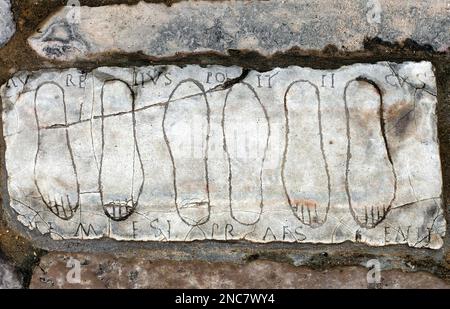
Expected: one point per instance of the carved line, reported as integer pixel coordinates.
(91, 126)
(380, 218)
(225, 148)
(55, 209)
(203, 220)
(129, 212)
(322, 150)
(160, 104)
(36, 214)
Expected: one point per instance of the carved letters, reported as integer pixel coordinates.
(171, 154)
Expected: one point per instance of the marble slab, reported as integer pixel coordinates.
(267, 27)
(164, 153)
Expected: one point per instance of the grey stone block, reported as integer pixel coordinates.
(7, 25)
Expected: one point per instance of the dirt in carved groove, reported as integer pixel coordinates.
(17, 56)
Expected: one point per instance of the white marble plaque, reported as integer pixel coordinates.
(166, 153)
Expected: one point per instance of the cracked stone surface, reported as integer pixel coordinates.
(7, 25)
(263, 26)
(164, 153)
(59, 270)
(9, 279)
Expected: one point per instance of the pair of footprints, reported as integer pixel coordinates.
(55, 169)
(308, 194)
(370, 179)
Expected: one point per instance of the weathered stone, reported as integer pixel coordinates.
(179, 154)
(263, 26)
(7, 25)
(9, 278)
(59, 270)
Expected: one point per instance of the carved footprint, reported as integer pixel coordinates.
(55, 173)
(370, 178)
(304, 170)
(246, 132)
(121, 177)
(186, 129)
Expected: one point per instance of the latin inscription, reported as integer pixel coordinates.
(219, 153)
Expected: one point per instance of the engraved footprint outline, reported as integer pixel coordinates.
(227, 153)
(54, 206)
(180, 205)
(294, 208)
(131, 204)
(380, 218)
